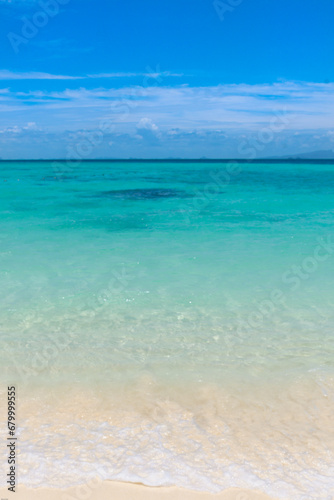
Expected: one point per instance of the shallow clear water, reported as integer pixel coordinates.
(171, 323)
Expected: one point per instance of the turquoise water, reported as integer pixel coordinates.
(204, 289)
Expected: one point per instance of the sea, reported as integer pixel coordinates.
(169, 323)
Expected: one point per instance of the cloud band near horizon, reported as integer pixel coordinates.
(153, 114)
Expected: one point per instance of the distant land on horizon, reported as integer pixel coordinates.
(327, 154)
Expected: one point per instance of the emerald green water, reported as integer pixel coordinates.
(188, 273)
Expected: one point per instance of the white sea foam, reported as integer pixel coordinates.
(275, 439)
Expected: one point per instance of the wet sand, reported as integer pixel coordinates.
(108, 490)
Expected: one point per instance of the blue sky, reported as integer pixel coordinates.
(200, 78)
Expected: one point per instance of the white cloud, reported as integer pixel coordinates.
(36, 75)
(33, 75)
(210, 144)
(148, 130)
(30, 126)
(147, 124)
(299, 106)
(147, 74)
(19, 3)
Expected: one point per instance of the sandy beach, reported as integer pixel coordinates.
(124, 491)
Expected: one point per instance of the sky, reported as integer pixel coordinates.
(175, 79)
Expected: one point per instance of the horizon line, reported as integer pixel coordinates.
(198, 160)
